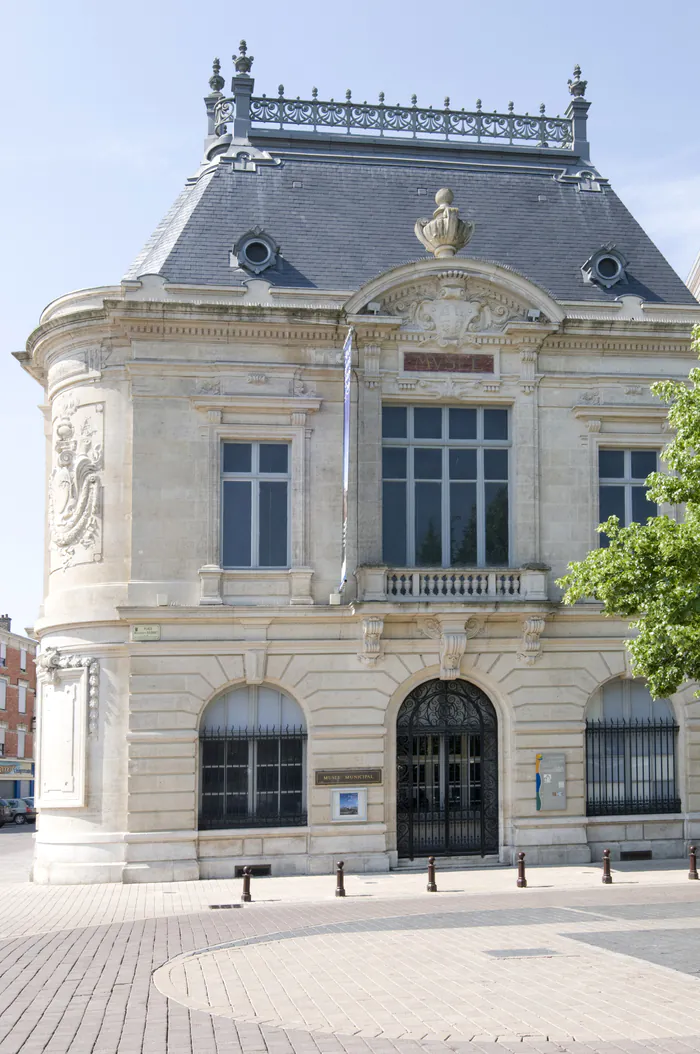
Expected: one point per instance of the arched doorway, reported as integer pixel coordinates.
(447, 771)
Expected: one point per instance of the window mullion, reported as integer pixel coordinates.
(445, 505)
(480, 508)
(410, 506)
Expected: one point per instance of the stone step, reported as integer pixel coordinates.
(449, 863)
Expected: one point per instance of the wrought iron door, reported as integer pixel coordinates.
(447, 771)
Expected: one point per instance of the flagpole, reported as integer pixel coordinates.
(347, 379)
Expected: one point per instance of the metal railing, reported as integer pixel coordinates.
(412, 122)
(252, 777)
(631, 767)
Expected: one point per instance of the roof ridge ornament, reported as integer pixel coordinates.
(577, 87)
(445, 234)
(243, 61)
(216, 81)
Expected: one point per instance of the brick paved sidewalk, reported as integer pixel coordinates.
(86, 987)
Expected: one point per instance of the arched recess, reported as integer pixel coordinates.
(252, 760)
(447, 771)
(631, 751)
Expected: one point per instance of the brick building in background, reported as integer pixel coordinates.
(17, 711)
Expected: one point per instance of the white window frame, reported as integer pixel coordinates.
(627, 481)
(255, 478)
(445, 444)
(3, 693)
(21, 742)
(23, 659)
(3, 653)
(22, 697)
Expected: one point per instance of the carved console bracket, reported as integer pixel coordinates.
(255, 665)
(453, 636)
(531, 644)
(49, 665)
(372, 353)
(372, 629)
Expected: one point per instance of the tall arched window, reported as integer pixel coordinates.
(252, 760)
(630, 751)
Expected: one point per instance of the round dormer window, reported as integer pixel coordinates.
(608, 268)
(255, 251)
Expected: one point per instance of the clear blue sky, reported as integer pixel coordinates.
(102, 120)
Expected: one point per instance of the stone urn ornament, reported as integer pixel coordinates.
(444, 234)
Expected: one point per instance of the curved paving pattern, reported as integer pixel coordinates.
(456, 977)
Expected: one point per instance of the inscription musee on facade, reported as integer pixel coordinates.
(446, 362)
(347, 777)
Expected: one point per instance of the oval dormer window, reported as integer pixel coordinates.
(255, 251)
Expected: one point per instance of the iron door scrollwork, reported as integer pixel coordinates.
(447, 771)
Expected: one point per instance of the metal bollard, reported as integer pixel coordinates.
(431, 887)
(522, 881)
(245, 895)
(693, 873)
(340, 880)
(607, 877)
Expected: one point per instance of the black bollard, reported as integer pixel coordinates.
(522, 881)
(245, 895)
(431, 887)
(607, 877)
(693, 873)
(340, 880)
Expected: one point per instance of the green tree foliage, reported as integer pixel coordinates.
(651, 572)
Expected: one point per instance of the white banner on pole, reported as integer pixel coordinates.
(347, 377)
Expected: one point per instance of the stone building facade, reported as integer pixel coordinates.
(17, 711)
(213, 692)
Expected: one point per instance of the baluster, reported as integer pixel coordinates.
(415, 584)
(381, 113)
(414, 116)
(348, 110)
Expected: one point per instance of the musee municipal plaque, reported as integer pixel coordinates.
(347, 777)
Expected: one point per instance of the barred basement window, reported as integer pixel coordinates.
(252, 760)
(445, 496)
(631, 744)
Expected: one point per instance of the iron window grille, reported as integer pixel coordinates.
(445, 486)
(252, 777)
(631, 767)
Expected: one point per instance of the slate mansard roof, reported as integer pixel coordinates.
(342, 208)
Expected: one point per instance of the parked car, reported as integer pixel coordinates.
(21, 811)
(5, 812)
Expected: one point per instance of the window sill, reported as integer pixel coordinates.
(246, 586)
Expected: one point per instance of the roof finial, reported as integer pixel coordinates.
(243, 61)
(577, 87)
(444, 234)
(216, 81)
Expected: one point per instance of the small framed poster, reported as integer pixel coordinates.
(348, 804)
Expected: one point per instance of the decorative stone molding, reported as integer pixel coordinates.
(300, 387)
(300, 586)
(75, 513)
(444, 234)
(372, 629)
(49, 664)
(257, 378)
(371, 355)
(528, 369)
(531, 645)
(211, 387)
(210, 585)
(255, 665)
(453, 636)
(450, 309)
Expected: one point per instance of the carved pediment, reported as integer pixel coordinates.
(449, 308)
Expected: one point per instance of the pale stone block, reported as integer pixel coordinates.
(252, 846)
(145, 801)
(281, 844)
(160, 784)
(663, 829)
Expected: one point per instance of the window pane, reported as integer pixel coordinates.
(462, 423)
(495, 464)
(427, 463)
(428, 524)
(274, 457)
(612, 503)
(495, 424)
(394, 422)
(612, 694)
(237, 457)
(236, 524)
(394, 524)
(273, 524)
(643, 462)
(394, 462)
(427, 422)
(462, 464)
(496, 496)
(641, 508)
(462, 524)
(611, 464)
